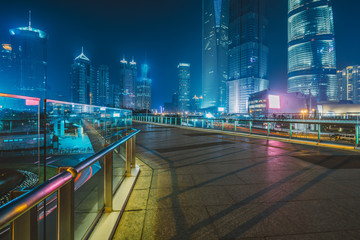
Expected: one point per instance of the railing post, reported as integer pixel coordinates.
(128, 157)
(26, 226)
(187, 122)
(250, 125)
(133, 150)
(268, 129)
(212, 124)
(222, 125)
(202, 124)
(319, 133)
(108, 181)
(180, 121)
(176, 121)
(65, 210)
(356, 136)
(290, 133)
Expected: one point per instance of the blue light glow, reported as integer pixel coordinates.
(217, 8)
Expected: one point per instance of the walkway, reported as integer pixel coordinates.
(197, 185)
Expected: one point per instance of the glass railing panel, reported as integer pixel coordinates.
(89, 198)
(259, 127)
(338, 134)
(21, 144)
(279, 129)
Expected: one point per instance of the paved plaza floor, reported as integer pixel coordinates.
(201, 185)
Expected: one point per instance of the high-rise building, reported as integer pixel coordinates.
(248, 54)
(184, 87)
(29, 49)
(103, 86)
(196, 103)
(215, 52)
(349, 84)
(6, 80)
(115, 95)
(311, 49)
(128, 75)
(143, 89)
(83, 80)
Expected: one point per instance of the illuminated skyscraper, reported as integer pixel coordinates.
(311, 49)
(248, 54)
(29, 49)
(6, 80)
(143, 89)
(128, 75)
(103, 86)
(349, 84)
(214, 55)
(82, 79)
(184, 87)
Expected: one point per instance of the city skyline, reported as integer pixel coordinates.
(163, 65)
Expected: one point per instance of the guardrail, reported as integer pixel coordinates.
(315, 130)
(22, 213)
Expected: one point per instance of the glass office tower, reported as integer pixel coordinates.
(29, 63)
(128, 75)
(143, 89)
(248, 54)
(82, 80)
(103, 86)
(311, 49)
(215, 47)
(184, 87)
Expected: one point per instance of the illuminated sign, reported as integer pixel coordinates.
(274, 102)
(7, 47)
(30, 102)
(221, 109)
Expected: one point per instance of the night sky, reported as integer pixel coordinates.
(159, 32)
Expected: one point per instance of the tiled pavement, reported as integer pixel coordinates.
(195, 185)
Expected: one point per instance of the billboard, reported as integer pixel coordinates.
(274, 102)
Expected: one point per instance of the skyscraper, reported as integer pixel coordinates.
(29, 49)
(6, 80)
(143, 89)
(82, 79)
(128, 75)
(184, 87)
(349, 84)
(311, 49)
(248, 54)
(214, 52)
(103, 86)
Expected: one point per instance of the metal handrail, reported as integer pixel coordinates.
(19, 206)
(94, 158)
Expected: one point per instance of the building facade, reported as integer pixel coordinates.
(311, 49)
(29, 63)
(83, 84)
(103, 86)
(6, 80)
(248, 54)
(128, 76)
(143, 89)
(184, 87)
(215, 52)
(349, 84)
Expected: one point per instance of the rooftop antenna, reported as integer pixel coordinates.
(29, 19)
(82, 49)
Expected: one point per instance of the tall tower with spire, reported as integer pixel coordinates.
(29, 49)
(83, 84)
